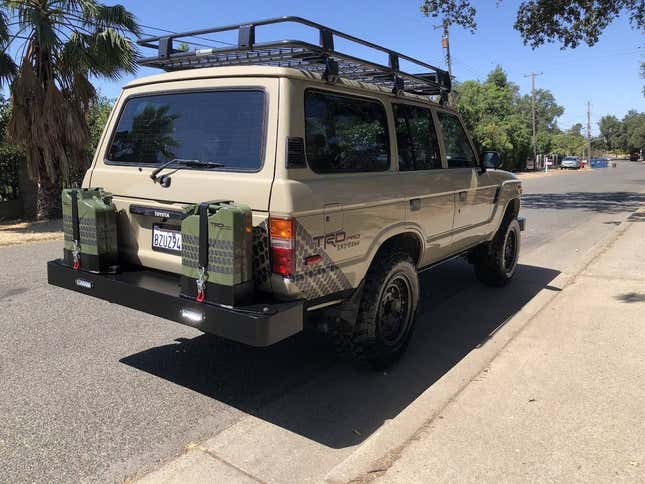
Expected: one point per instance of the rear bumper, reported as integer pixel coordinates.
(157, 293)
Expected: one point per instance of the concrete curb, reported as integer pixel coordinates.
(384, 446)
(522, 175)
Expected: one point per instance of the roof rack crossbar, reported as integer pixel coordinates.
(322, 57)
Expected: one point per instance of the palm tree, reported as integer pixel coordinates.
(58, 46)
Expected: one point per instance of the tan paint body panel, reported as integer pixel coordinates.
(455, 208)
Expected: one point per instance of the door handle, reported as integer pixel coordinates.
(415, 204)
(462, 196)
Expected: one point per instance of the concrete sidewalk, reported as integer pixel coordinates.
(560, 398)
(564, 401)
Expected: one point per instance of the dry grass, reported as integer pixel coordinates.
(18, 233)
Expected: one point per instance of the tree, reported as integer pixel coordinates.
(10, 156)
(569, 142)
(634, 129)
(568, 22)
(547, 110)
(63, 44)
(611, 131)
(623, 135)
(598, 145)
(500, 119)
(97, 116)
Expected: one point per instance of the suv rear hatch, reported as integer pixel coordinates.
(223, 138)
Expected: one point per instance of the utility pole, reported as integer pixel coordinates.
(445, 43)
(533, 75)
(589, 132)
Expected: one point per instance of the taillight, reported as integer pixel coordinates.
(283, 260)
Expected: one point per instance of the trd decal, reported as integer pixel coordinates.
(338, 240)
(313, 281)
(325, 277)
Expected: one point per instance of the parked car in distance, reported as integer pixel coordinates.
(570, 162)
(634, 155)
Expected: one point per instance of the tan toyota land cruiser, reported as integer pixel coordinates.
(347, 178)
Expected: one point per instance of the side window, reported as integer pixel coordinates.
(459, 153)
(345, 134)
(416, 138)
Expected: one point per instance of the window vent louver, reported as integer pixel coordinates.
(296, 153)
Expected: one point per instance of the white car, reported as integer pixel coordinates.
(571, 162)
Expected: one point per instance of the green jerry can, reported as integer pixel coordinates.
(89, 227)
(217, 251)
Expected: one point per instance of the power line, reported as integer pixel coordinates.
(468, 67)
(190, 36)
(595, 58)
(574, 56)
(196, 44)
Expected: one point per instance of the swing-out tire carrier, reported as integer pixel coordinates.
(157, 293)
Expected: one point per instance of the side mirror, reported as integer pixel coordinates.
(491, 159)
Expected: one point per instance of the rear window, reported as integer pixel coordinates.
(345, 134)
(219, 126)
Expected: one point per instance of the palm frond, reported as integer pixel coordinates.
(118, 18)
(4, 28)
(8, 68)
(67, 42)
(112, 54)
(103, 54)
(75, 56)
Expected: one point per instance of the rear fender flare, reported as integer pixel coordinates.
(390, 233)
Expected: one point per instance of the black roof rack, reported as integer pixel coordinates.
(321, 57)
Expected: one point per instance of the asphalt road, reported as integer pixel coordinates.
(91, 391)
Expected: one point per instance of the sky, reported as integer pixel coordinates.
(607, 74)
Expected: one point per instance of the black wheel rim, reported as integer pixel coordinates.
(395, 310)
(510, 252)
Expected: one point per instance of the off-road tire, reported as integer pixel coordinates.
(493, 265)
(391, 271)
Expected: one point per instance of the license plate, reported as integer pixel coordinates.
(166, 240)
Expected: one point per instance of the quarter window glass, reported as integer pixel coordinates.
(459, 153)
(416, 138)
(222, 126)
(345, 134)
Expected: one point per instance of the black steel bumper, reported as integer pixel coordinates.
(157, 293)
